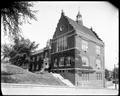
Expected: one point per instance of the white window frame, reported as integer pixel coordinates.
(68, 60)
(98, 64)
(85, 60)
(84, 45)
(98, 50)
(61, 61)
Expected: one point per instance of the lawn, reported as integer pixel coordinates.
(14, 74)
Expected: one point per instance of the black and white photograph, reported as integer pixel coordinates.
(59, 48)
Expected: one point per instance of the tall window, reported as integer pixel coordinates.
(70, 41)
(98, 64)
(85, 61)
(65, 42)
(33, 59)
(38, 57)
(55, 62)
(61, 62)
(99, 76)
(68, 61)
(85, 76)
(97, 50)
(84, 45)
(61, 43)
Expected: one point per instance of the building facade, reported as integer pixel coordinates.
(77, 53)
(40, 60)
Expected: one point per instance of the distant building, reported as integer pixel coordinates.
(77, 53)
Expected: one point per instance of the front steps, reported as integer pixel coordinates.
(65, 81)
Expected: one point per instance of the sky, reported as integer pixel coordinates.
(101, 16)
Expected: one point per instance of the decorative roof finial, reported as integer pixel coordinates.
(62, 12)
(79, 18)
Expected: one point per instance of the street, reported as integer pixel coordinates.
(53, 90)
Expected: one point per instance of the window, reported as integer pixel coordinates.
(65, 42)
(99, 76)
(98, 64)
(38, 58)
(55, 62)
(68, 61)
(33, 59)
(85, 61)
(46, 54)
(56, 46)
(59, 44)
(61, 28)
(61, 62)
(84, 45)
(85, 76)
(97, 50)
(70, 41)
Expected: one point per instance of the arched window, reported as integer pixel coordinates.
(68, 61)
(97, 50)
(98, 64)
(61, 62)
(85, 61)
(55, 62)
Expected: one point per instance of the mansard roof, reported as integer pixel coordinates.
(82, 28)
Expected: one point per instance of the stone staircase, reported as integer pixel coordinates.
(65, 81)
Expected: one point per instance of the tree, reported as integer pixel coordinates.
(13, 14)
(116, 73)
(19, 54)
(107, 74)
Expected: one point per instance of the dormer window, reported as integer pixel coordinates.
(84, 45)
(97, 50)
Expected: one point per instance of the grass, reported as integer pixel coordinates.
(14, 74)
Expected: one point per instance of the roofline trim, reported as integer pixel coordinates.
(87, 36)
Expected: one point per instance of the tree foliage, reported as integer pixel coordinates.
(107, 74)
(19, 53)
(116, 73)
(13, 14)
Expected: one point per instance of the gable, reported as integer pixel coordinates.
(66, 24)
(63, 27)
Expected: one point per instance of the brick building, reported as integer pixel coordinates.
(77, 53)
